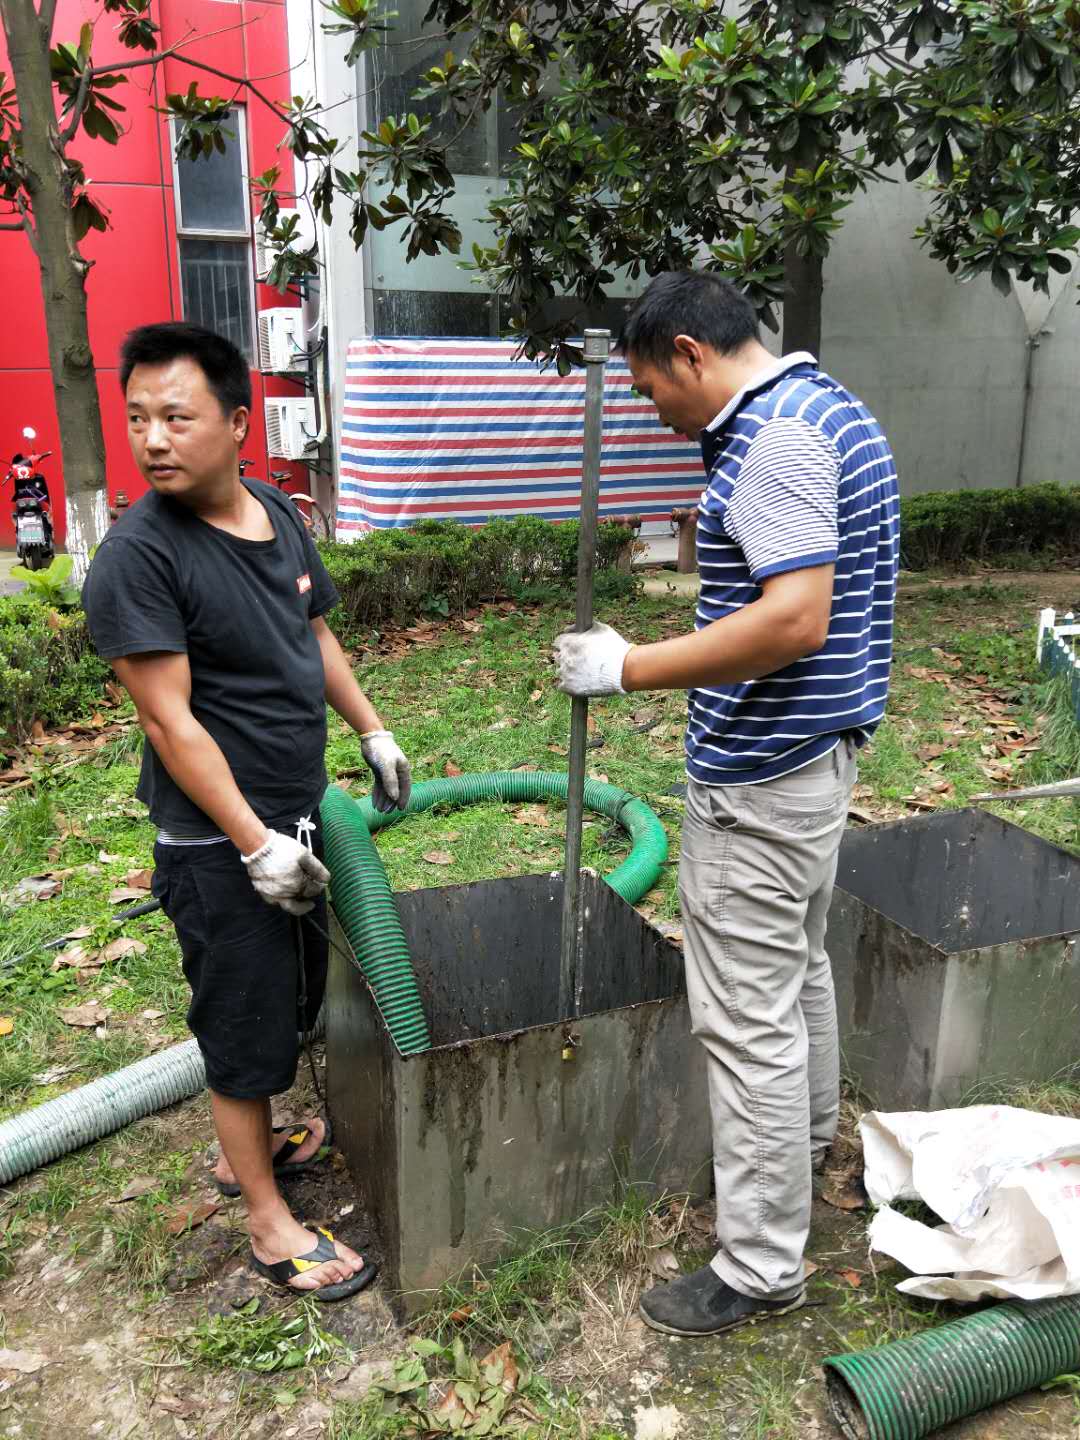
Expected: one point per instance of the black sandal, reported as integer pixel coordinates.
(283, 1167)
(283, 1271)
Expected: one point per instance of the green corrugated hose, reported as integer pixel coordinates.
(364, 902)
(913, 1387)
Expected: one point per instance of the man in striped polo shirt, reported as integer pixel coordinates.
(787, 673)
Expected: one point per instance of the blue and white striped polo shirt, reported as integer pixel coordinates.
(800, 474)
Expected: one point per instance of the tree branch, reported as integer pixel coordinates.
(27, 225)
(68, 134)
(46, 15)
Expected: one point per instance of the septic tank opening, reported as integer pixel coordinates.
(962, 879)
(486, 955)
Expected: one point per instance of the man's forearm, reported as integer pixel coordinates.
(195, 761)
(342, 691)
(757, 640)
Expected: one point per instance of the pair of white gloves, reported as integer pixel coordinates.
(285, 872)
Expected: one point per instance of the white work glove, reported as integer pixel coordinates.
(590, 662)
(285, 873)
(387, 762)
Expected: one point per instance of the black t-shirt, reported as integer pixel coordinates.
(163, 579)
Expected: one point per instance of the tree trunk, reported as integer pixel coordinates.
(802, 286)
(802, 302)
(63, 283)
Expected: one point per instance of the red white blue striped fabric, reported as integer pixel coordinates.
(459, 429)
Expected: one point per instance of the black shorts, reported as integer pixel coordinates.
(240, 959)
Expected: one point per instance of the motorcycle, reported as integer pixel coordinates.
(33, 525)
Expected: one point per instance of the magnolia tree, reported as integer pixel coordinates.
(653, 136)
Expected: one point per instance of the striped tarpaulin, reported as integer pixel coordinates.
(459, 429)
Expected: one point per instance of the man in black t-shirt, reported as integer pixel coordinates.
(208, 599)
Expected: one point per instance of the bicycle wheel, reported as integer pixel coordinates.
(313, 516)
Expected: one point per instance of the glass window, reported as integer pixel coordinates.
(211, 192)
(215, 273)
(216, 280)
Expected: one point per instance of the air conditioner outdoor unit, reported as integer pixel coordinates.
(264, 251)
(290, 427)
(281, 341)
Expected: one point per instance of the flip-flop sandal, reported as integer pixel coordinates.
(283, 1166)
(283, 1271)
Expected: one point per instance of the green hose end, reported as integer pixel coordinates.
(913, 1387)
(364, 903)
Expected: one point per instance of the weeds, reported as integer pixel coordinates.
(286, 1339)
(1060, 1095)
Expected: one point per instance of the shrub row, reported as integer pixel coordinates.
(440, 567)
(946, 528)
(48, 668)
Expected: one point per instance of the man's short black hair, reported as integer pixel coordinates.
(226, 370)
(698, 303)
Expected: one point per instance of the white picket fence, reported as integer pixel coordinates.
(1055, 648)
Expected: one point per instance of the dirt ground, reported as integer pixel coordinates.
(112, 1371)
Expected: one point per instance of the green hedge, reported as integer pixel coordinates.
(440, 567)
(48, 668)
(946, 528)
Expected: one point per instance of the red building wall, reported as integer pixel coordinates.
(135, 276)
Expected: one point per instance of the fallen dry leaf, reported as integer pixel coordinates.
(175, 1406)
(460, 1315)
(57, 1072)
(139, 879)
(125, 892)
(106, 858)
(121, 946)
(438, 857)
(450, 769)
(27, 1362)
(6, 1025)
(36, 887)
(190, 1215)
(533, 815)
(853, 1278)
(78, 958)
(86, 1016)
(663, 1264)
(152, 1014)
(810, 1267)
(141, 1185)
(450, 1411)
(501, 1360)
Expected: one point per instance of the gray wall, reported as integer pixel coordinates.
(941, 364)
(1052, 437)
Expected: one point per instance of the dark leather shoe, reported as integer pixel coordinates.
(701, 1304)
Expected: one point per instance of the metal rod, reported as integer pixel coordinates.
(1034, 792)
(597, 348)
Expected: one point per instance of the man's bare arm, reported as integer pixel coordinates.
(342, 690)
(160, 685)
(789, 621)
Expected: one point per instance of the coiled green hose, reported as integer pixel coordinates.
(913, 1387)
(364, 902)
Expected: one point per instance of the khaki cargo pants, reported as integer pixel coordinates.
(756, 877)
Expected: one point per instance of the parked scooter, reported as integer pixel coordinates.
(33, 522)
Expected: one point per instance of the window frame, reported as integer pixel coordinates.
(240, 112)
(240, 238)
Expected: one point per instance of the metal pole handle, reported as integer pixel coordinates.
(597, 349)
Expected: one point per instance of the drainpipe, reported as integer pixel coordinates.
(1033, 342)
